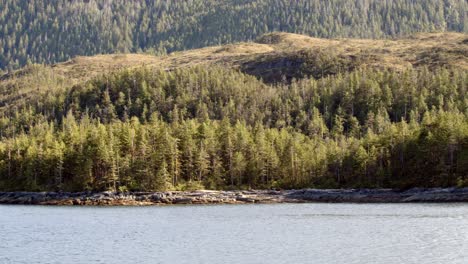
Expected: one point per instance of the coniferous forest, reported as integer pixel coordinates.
(49, 31)
(393, 115)
(149, 129)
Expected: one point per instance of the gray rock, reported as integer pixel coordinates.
(182, 200)
(252, 196)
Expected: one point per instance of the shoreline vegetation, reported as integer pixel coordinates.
(414, 195)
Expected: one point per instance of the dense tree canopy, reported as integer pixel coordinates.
(149, 129)
(47, 31)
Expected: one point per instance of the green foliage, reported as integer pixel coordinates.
(37, 31)
(195, 128)
(190, 186)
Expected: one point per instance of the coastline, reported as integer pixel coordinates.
(415, 195)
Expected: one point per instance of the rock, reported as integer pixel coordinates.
(245, 199)
(235, 197)
(38, 199)
(181, 200)
(157, 197)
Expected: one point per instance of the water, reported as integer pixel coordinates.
(280, 233)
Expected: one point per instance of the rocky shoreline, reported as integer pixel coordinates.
(237, 197)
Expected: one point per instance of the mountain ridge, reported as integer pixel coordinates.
(37, 31)
(274, 57)
(402, 52)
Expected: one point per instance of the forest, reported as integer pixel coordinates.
(50, 31)
(211, 127)
(143, 95)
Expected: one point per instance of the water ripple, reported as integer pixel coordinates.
(297, 233)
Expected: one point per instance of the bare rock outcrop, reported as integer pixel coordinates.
(238, 197)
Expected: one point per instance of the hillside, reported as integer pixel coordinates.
(37, 31)
(285, 111)
(273, 57)
(275, 51)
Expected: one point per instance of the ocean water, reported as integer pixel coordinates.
(277, 233)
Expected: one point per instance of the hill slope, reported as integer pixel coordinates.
(428, 49)
(273, 58)
(286, 111)
(40, 31)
